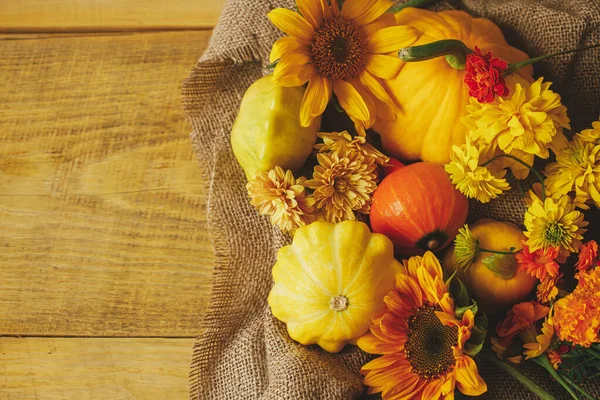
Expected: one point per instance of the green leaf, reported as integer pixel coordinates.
(459, 293)
(472, 349)
(503, 265)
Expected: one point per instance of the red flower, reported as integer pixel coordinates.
(540, 263)
(588, 256)
(484, 76)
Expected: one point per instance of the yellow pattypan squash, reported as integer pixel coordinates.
(330, 281)
(267, 130)
(431, 95)
(494, 280)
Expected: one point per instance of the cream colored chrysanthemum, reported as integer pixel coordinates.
(471, 179)
(342, 141)
(554, 223)
(278, 194)
(576, 169)
(525, 125)
(343, 182)
(591, 135)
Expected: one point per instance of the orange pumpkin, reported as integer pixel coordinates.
(431, 95)
(496, 284)
(418, 209)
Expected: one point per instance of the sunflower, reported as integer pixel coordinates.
(347, 51)
(524, 125)
(470, 178)
(554, 223)
(420, 339)
(576, 169)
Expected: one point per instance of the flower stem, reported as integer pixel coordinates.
(525, 381)
(482, 250)
(544, 362)
(513, 67)
(455, 51)
(578, 388)
(410, 3)
(535, 171)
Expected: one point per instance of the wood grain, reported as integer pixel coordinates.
(107, 15)
(98, 369)
(102, 204)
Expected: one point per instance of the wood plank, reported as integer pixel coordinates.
(94, 369)
(107, 15)
(102, 203)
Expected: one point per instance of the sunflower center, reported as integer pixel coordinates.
(555, 234)
(338, 50)
(429, 344)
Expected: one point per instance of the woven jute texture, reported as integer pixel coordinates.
(246, 353)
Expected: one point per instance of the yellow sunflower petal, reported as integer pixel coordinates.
(293, 70)
(363, 12)
(292, 23)
(316, 97)
(382, 66)
(384, 21)
(351, 101)
(286, 45)
(391, 39)
(371, 344)
(373, 85)
(312, 10)
(380, 362)
(433, 390)
(467, 377)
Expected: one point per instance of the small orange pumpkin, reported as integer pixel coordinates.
(418, 208)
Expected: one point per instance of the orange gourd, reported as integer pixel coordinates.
(494, 290)
(418, 208)
(431, 95)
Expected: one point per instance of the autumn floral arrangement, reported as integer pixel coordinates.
(381, 255)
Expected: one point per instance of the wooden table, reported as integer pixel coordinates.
(105, 259)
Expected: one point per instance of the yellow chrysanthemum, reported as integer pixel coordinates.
(554, 223)
(278, 194)
(343, 182)
(347, 51)
(576, 169)
(421, 341)
(470, 178)
(343, 141)
(525, 125)
(591, 135)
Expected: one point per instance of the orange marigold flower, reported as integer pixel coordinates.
(520, 317)
(484, 76)
(547, 290)
(420, 339)
(539, 263)
(588, 256)
(577, 316)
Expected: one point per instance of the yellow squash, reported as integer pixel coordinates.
(330, 281)
(431, 95)
(504, 286)
(267, 130)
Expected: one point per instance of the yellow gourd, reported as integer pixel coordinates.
(431, 95)
(330, 281)
(494, 290)
(267, 130)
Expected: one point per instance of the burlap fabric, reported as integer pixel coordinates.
(246, 353)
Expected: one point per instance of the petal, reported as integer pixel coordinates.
(316, 97)
(286, 45)
(433, 390)
(387, 19)
(467, 377)
(382, 66)
(292, 23)
(371, 344)
(362, 12)
(373, 85)
(381, 362)
(293, 70)
(350, 100)
(312, 10)
(391, 39)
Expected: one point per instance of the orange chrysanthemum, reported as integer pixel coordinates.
(540, 263)
(347, 51)
(420, 339)
(588, 256)
(577, 316)
(547, 290)
(520, 317)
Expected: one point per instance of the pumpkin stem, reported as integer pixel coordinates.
(410, 3)
(513, 67)
(433, 241)
(455, 51)
(338, 303)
